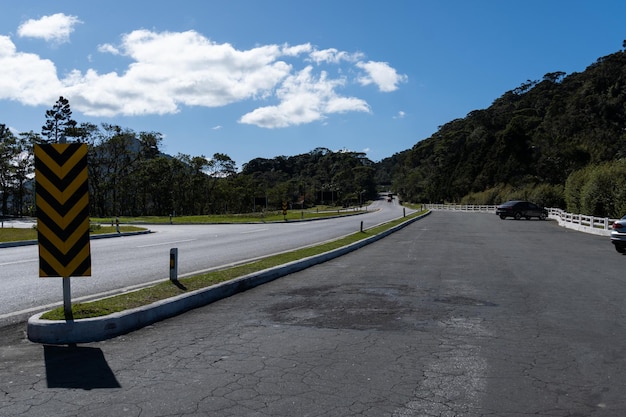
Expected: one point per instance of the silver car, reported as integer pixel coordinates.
(618, 235)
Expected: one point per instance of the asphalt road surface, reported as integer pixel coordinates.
(128, 262)
(455, 315)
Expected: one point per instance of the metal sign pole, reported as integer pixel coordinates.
(67, 288)
(67, 298)
(174, 264)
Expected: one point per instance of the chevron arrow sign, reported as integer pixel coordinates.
(62, 200)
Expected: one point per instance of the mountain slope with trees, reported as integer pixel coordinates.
(560, 141)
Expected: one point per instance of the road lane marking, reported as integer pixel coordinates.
(19, 262)
(254, 231)
(166, 243)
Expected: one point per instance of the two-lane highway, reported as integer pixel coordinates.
(134, 261)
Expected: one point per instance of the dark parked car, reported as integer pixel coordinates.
(618, 235)
(518, 209)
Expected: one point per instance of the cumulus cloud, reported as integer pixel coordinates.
(297, 50)
(333, 56)
(55, 28)
(26, 77)
(107, 48)
(304, 98)
(381, 74)
(170, 70)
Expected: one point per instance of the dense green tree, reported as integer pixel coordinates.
(599, 190)
(157, 181)
(24, 168)
(16, 170)
(8, 153)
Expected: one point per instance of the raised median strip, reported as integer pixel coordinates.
(101, 328)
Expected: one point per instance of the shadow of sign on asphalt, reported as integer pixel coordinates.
(78, 367)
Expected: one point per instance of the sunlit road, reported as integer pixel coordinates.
(131, 261)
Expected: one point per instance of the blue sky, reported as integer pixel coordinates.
(274, 77)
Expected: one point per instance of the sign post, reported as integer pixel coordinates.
(62, 201)
(174, 264)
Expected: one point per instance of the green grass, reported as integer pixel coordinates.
(16, 234)
(270, 216)
(10, 234)
(167, 289)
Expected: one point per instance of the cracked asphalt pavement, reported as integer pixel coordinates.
(456, 315)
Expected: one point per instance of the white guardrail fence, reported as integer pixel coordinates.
(583, 223)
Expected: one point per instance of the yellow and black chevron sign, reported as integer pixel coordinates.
(62, 200)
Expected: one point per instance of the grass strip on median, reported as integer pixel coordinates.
(10, 234)
(167, 289)
(270, 216)
(16, 234)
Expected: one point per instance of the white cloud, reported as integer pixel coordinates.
(333, 56)
(54, 28)
(169, 70)
(26, 77)
(381, 74)
(400, 115)
(297, 50)
(304, 99)
(107, 48)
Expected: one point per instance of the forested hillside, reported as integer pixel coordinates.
(560, 141)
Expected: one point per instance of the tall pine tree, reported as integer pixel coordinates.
(59, 124)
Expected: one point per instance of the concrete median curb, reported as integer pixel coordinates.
(112, 325)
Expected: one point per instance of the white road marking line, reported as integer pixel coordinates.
(20, 262)
(166, 243)
(254, 231)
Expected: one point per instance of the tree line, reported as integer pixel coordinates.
(130, 175)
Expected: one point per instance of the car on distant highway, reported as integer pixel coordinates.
(518, 209)
(618, 235)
